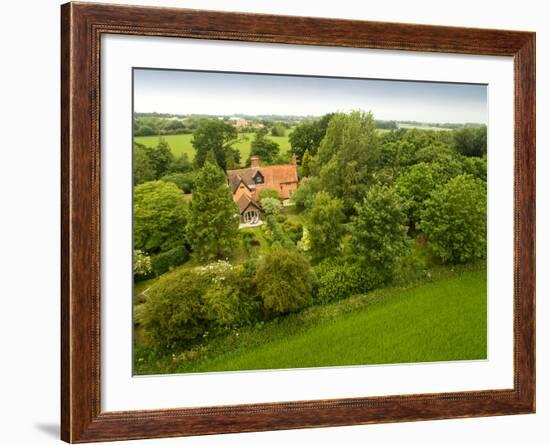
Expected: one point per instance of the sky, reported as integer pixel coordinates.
(226, 94)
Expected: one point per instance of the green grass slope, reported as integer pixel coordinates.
(440, 321)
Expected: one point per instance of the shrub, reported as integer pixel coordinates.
(340, 278)
(268, 193)
(163, 262)
(230, 299)
(142, 264)
(455, 220)
(173, 313)
(284, 280)
(271, 206)
(294, 230)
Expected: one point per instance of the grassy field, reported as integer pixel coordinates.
(181, 143)
(441, 320)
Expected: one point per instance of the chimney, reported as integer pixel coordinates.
(293, 158)
(255, 162)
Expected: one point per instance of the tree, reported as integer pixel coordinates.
(278, 130)
(181, 164)
(264, 148)
(308, 136)
(325, 227)
(415, 187)
(216, 136)
(379, 233)
(303, 197)
(471, 141)
(348, 155)
(454, 219)
(214, 221)
(143, 170)
(283, 278)
(306, 161)
(184, 181)
(161, 158)
(160, 216)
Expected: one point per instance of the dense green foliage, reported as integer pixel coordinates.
(415, 187)
(308, 136)
(324, 221)
(214, 220)
(184, 181)
(345, 156)
(340, 277)
(163, 262)
(455, 220)
(173, 312)
(379, 234)
(304, 196)
(284, 281)
(471, 141)
(264, 148)
(231, 297)
(215, 136)
(160, 217)
(271, 206)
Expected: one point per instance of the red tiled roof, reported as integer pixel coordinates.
(244, 202)
(274, 176)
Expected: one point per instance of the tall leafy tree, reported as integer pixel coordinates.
(306, 164)
(267, 150)
(214, 221)
(454, 219)
(160, 217)
(325, 227)
(216, 136)
(415, 187)
(347, 156)
(143, 170)
(161, 158)
(379, 234)
(308, 136)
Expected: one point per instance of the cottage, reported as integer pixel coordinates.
(246, 184)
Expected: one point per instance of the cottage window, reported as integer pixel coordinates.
(250, 216)
(259, 179)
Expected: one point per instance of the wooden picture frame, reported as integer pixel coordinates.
(82, 26)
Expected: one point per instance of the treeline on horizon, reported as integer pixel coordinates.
(163, 124)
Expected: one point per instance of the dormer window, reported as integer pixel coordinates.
(258, 178)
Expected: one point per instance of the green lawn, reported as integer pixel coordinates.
(181, 143)
(442, 320)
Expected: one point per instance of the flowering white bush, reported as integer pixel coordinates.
(304, 245)
(142, 263)
(216, 271)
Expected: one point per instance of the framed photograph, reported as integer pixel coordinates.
(274, 222)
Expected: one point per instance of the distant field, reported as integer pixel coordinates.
(421, 127)
(181, 143)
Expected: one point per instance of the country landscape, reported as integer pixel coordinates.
(265, 239)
